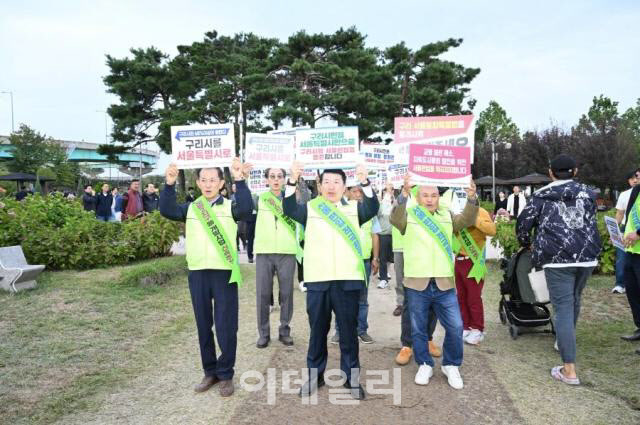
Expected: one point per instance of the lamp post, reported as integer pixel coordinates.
(106, 136)
(10, 93)
(493, 168)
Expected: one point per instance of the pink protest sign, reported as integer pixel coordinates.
(451, 130)
(440, 165)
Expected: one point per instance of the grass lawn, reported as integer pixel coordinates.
(80, 334)
(605, 363)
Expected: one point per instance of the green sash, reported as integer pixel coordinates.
(342, 225)
(464, 240)
(275, 206)
(219, 238)
(434, 229)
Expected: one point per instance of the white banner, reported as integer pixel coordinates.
(203, 145)
(265, 151)
(324, 148)
(377, 157)
(396, 173)
(256, 182)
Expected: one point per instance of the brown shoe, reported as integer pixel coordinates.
(206, 383)
(434, 350)
(404, 356)
(398, 311)
(226, 387)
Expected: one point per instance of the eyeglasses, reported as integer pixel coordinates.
(274, 177)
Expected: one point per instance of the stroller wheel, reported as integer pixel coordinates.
(513, 331)
(502, 312)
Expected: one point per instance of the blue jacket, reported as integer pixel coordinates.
(563, 215)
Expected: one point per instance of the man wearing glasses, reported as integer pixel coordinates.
(214, 272)
(275, 246)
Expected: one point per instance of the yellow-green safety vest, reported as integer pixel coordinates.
(423, 256)
(272, 236)
(327, 256)
(201, 253)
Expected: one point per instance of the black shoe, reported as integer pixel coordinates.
(311, 386)
(263, 342)
(633, 337)
(356, 392)
(286, 340)
(251, 260)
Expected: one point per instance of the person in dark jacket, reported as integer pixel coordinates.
(566, 247)
(631, 274)
(103, 204)
(150, 199)
(501, 202)
(89, 198)
(190, 197)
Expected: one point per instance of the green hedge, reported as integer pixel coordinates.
(57, 232)
(506, 236)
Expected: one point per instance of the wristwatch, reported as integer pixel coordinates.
(366, 184)
(291, 184)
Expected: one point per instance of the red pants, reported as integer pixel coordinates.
(469, 296)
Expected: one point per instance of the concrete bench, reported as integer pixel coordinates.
(15, 273)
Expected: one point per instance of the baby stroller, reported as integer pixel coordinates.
(518, 306)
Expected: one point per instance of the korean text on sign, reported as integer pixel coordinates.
(440, 165)
(200, 146)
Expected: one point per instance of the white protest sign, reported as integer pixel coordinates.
(396, 173)
(203, 145)
(614, 232)
(256, 181)
(309, 174)
(335, 147)
(377, 156)
(265, 151)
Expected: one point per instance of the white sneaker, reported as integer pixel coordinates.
(301, 286)
(618, 290)
(475, 337)
(555, 346)
(453, 376)
(465, 333)
(424, 373)
(382, 284)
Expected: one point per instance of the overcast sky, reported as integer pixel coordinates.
(541, 61)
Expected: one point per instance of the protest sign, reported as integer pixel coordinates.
(203, 145)
(377, 157)
(440, 165)
(396, 173)
(264, 151)
(614, 232)
(324, 148)
(452, 130)
(256, 181)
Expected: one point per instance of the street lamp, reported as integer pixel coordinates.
(493, 168)
(106, 136)
(10, 93)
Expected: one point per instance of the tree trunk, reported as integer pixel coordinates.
(182, 180)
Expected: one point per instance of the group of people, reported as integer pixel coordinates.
(337, 236)
(110, 205)
(438, 257)
(510, 206)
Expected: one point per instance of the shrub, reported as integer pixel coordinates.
(157, 272)
(506, 237)
(57, 232)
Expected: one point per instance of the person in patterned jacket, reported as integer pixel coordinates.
(566, 246)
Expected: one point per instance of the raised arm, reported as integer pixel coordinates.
(290, 207)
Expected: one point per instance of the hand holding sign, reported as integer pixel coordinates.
(171, 175)
(362, 173)
(471, 190)
(406, 187)
(296, 171)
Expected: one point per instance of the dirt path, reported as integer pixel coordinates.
(499, 388)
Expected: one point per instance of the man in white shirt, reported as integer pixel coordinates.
(621, 207)
(516, 202)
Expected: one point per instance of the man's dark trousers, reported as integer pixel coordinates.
(341, 297)
(632, 284)
(205, 286)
